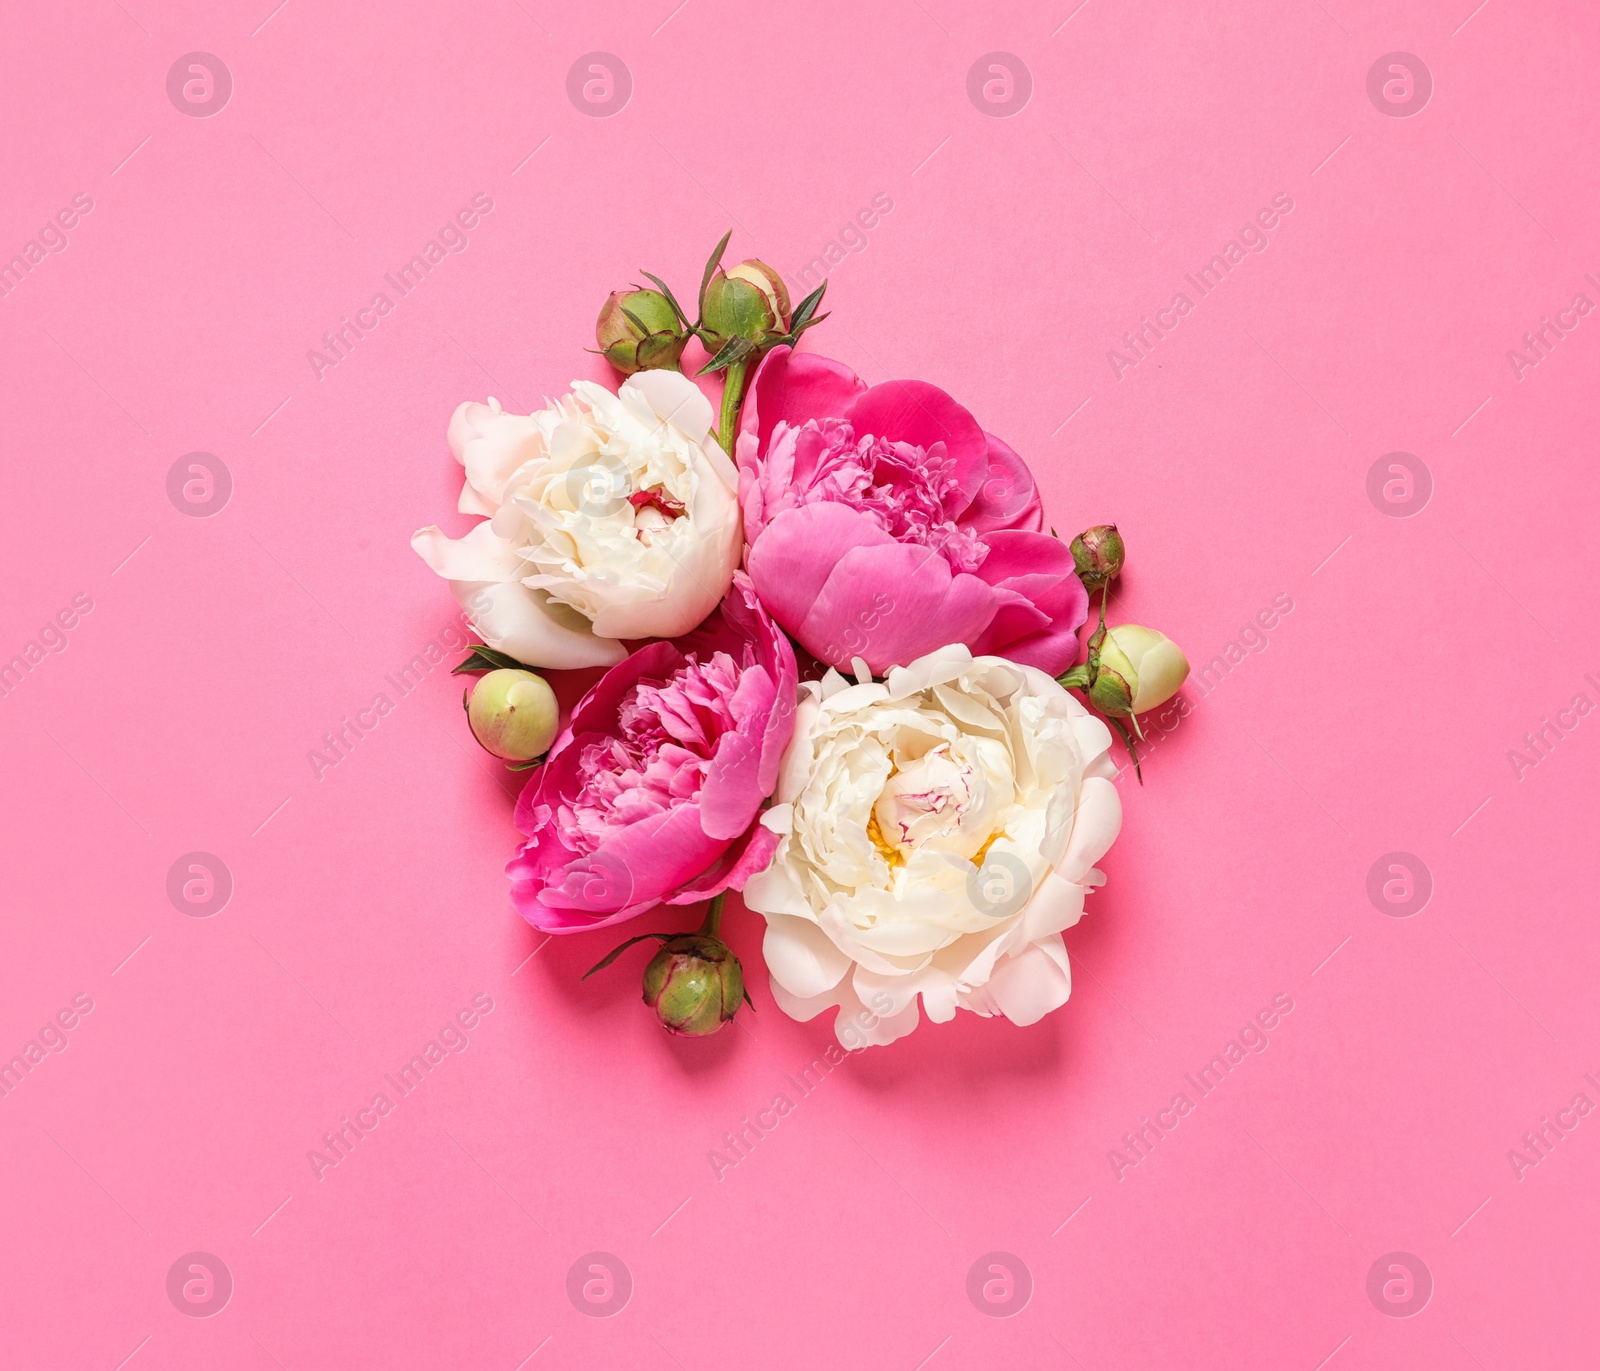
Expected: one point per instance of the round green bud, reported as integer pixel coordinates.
(513, 714)
(694, 983)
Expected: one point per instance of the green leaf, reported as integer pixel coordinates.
(712, 263)
(734, 350)
(672, 300)
(483, 658)
(806, 308)
(527, 766)
(1129, 744)
(617, 951)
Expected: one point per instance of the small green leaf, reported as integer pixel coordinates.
(734, 350)
(617, 951)
(672, 299)
(484, 658)
(712, 263)
(807, 307)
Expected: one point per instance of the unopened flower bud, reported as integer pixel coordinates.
(638, 330)
(695, 984)
(1148, 665)
(513, 714)
(751, 301)
(1099, 555)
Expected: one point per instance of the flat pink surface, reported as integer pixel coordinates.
(1381, 714)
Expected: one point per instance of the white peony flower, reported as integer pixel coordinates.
(939, 831)
(609, 517)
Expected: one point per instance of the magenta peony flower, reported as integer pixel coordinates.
(883, 523)
(652, 792)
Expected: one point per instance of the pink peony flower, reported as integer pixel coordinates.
(883, 523)
(651, 794)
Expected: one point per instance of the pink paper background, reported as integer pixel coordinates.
(369, 906)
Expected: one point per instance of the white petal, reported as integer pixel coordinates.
(673, 397)
(801, 957)
(532, 628)
(1028, 986)
(478, 556)
(1094, 827)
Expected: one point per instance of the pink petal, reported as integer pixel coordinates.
(915, 412)
(890, 604)
(796, 386)
(1008, 498)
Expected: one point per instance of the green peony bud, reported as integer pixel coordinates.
(638, 330)
(1149, 668)
(1099, 555)
(513, 714)
(695, 984)
(751, 301)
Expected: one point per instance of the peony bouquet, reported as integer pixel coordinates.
(840, 652)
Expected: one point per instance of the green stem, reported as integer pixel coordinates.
(713, 922)
(732, 400)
